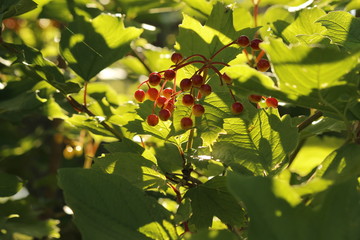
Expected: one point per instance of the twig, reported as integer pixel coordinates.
(137, 55)
(81, 108)
(309, 120)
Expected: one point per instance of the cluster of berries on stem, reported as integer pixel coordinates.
(197, 86)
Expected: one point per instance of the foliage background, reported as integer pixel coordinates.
(43, 60)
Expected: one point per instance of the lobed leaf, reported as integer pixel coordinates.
(260, 145)
(91, 46)
(343, 29)
(213, 199)
(106, 206)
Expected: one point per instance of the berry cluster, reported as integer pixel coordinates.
(197, 86)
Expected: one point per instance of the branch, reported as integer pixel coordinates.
(81, 108)
(140, 58)
(309, 120)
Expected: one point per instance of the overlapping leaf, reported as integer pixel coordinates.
(106, 206)
(333, 215)
(41, 67)
(213, 199)
(12, 8)
(308, 76)
(89, 47)
(343, 29)
(134, 167)
(219, 30)
(304, 26)
(260, 145)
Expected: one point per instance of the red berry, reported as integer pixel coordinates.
(271, 102)
(152, 120)
(167, 92)
(160, 101)
(237, 108)
(152, 94)
(243, 41)
(254, 44)
(263, 65)
(139, 95)
(170, 106)
(226, 78)
(198, 110)
(164, 114)
(169, 74)
(176, 57)
(197, 80)
(205, 90)
(186, 84)
(186, 123)
(154, 78)
(188, 100)
(255, 98)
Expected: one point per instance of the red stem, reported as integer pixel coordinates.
(185, 64)
(232, 95)
(246, 54)
(218, 51)
(85, 92)
(218, 73)
(221, 63)
(261, 54)
(143, 83)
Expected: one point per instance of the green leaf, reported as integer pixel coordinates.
(277, 18)
(9, 184)
(213, 199)
(164, 130)
(341, 164)
(218, 31)
(125, 146)
(325, 124)
(41, 67)
(19, 217)
(133, 167)
(212, 235)
(313, 153)
(183, 212)
(353, 4)
(332, 215)
(12, 8)
(91, 46)
(93, 124)
(343, 29)
(305, 24)
(106, 206)
(216, 109)
(260, 145)
(307, 76)
(61, 11)
(202, 6)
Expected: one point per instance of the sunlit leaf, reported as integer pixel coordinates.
(342, 28)
(133, 167)
(91, 46)
(304, 25)
(219, 30)
(43, 68)
(12, 8)
(212, 235)
(260, 145)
